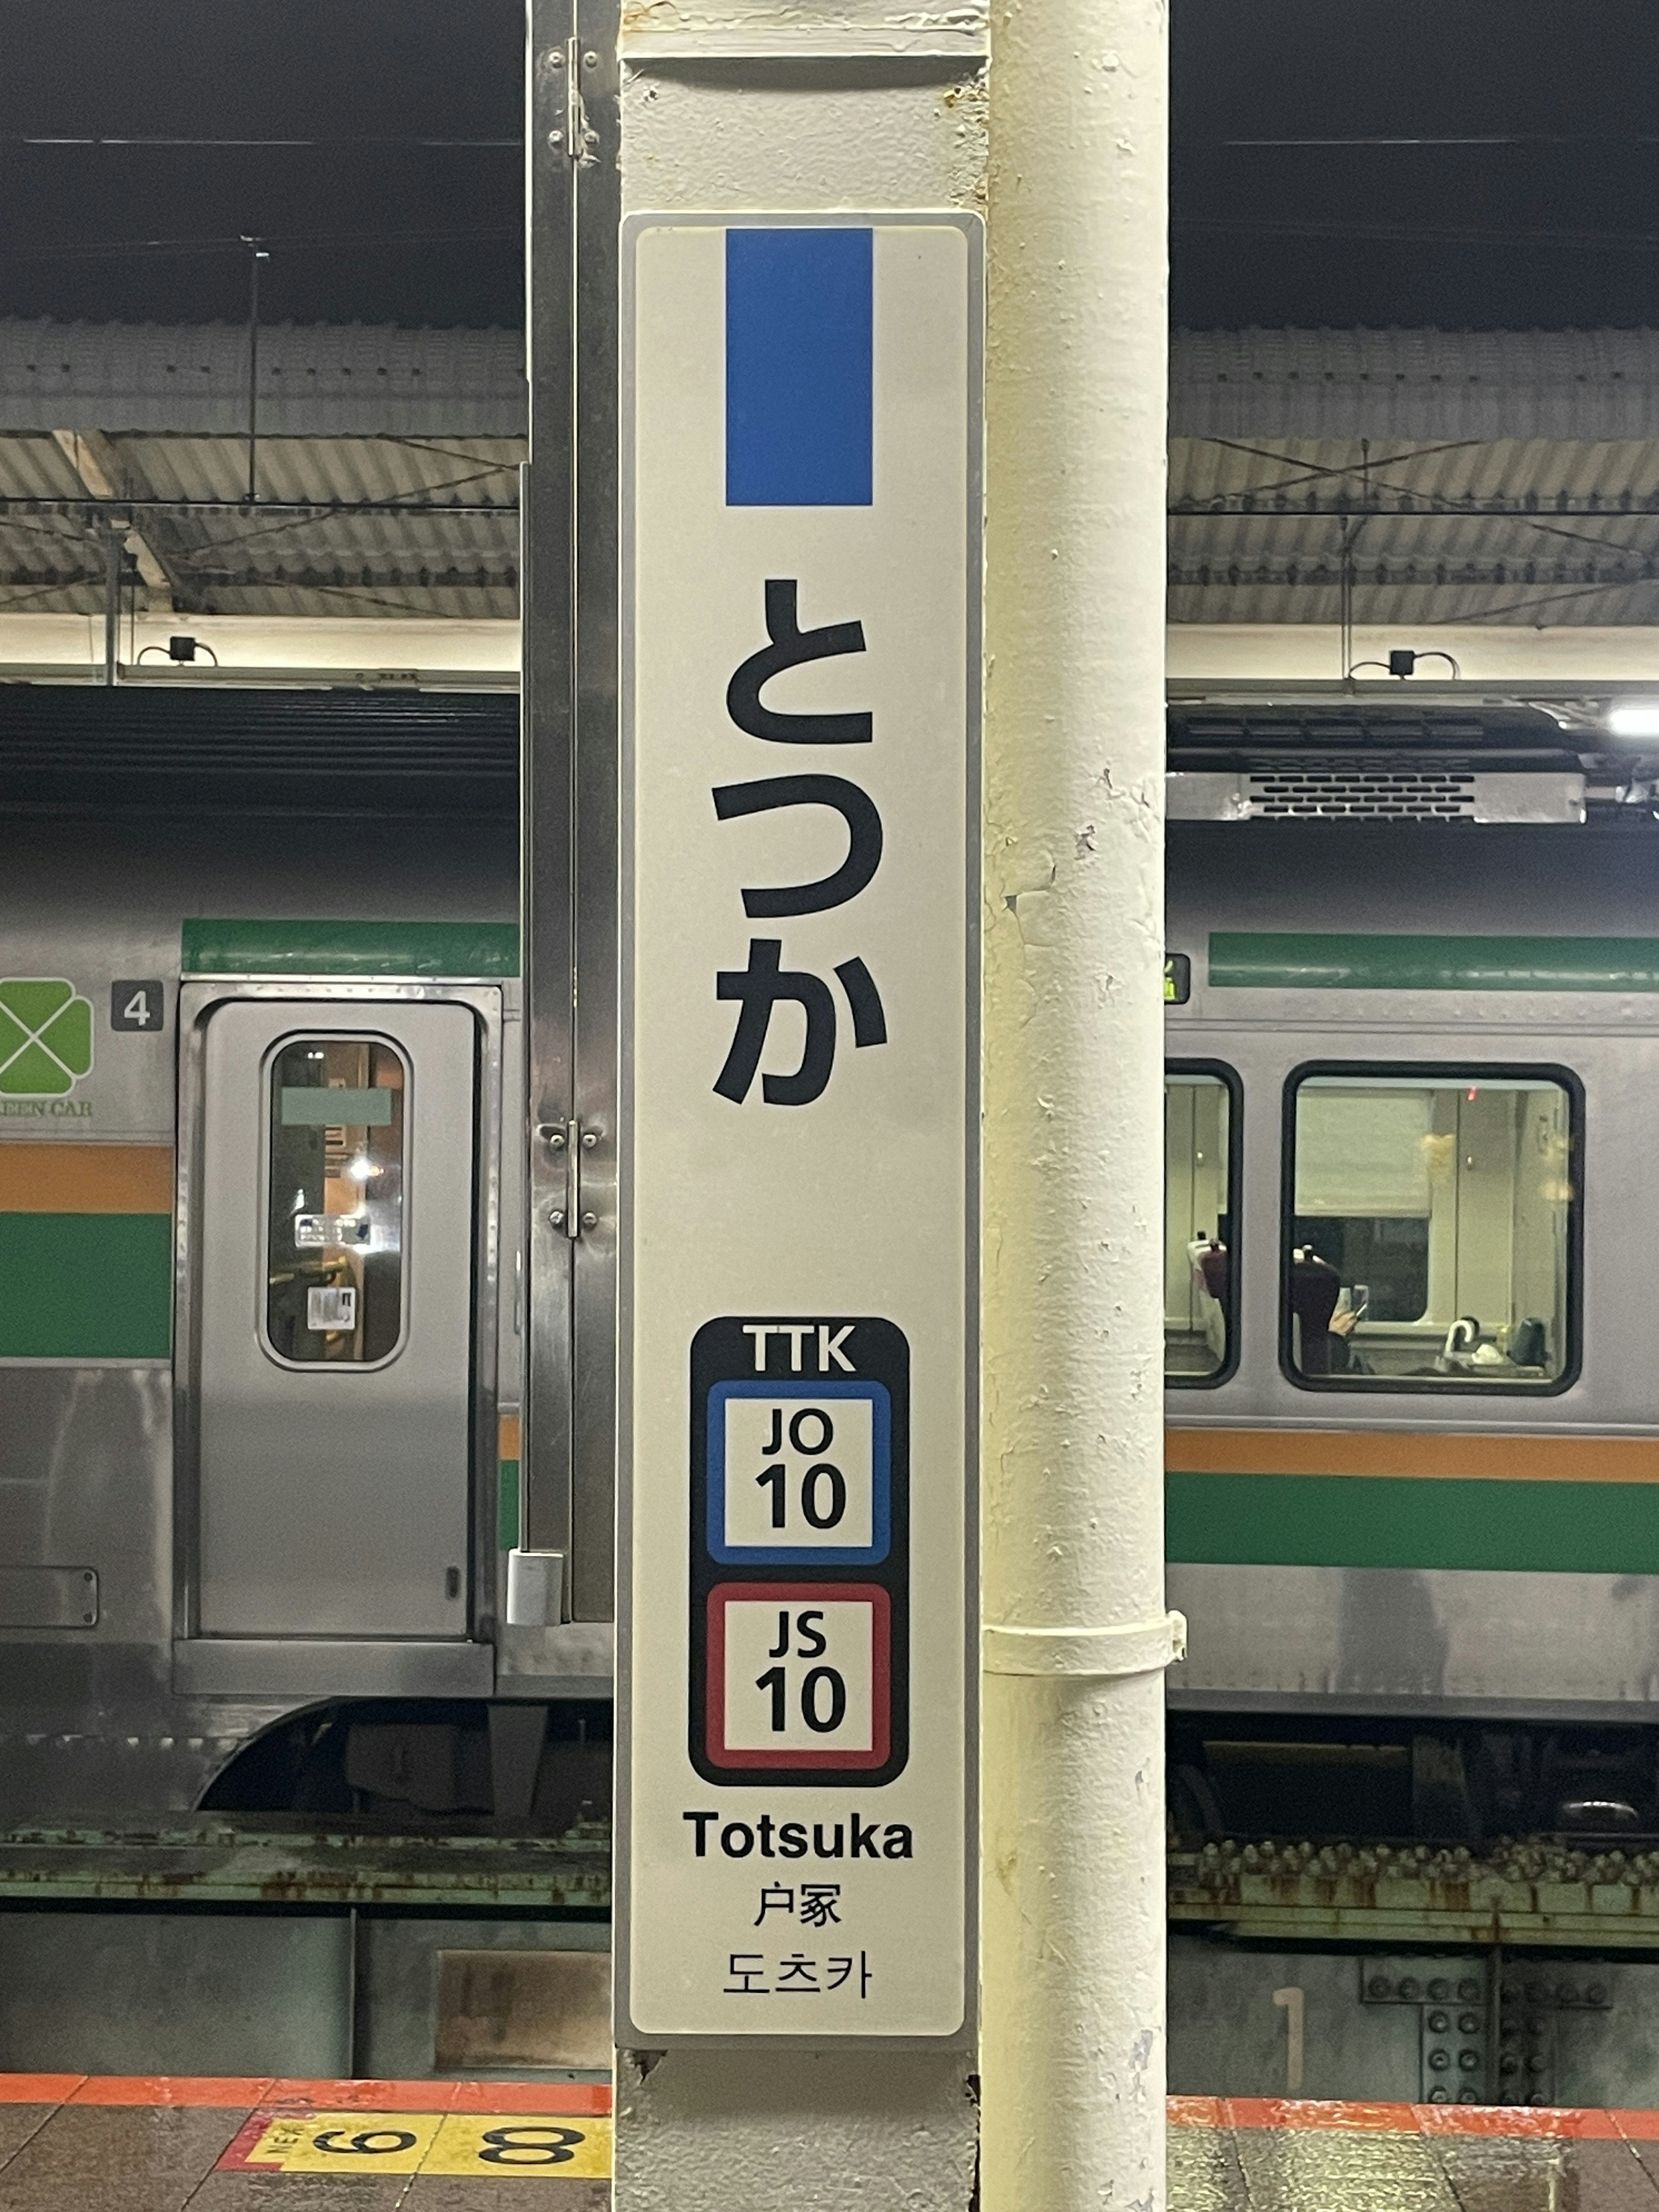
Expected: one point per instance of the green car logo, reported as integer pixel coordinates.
(46, 1036)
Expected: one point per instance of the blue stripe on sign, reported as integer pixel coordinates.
(798, 368)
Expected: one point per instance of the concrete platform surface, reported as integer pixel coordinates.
(1265, 2155)
(72, 2142)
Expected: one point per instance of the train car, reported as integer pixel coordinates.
(1412, 1396)
(263, 1302)
(261, 1284)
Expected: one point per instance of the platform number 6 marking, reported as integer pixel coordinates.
(367, 2142)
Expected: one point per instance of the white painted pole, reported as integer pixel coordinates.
(1077, 1635)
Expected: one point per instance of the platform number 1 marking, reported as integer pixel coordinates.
(140, 1004)
(1293, 2003)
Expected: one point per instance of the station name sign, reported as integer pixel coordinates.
(798, 1611)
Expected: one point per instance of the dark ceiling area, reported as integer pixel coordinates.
(374, 147)
(1425, 162)
(1463, 164)
(1458, 163)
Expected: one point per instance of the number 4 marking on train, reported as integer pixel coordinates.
(138, 1003)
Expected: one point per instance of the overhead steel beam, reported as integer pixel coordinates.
(1259, 508)
(106, 474)
(293, 580)
(95, 460)
(335, 576)
(1321, 572)
(29, 503)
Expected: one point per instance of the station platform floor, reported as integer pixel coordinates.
(1265, 2155)
(72, 2142)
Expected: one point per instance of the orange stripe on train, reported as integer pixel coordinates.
(78, 1177)
(1459, 1456)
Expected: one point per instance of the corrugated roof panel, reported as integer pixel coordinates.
(1577, 531)
(315, 381)
(469, 469)
(235, 560)
(1414, 385)
(1508, 476)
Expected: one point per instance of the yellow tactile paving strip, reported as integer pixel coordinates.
(71, 2142)
(478, 2146)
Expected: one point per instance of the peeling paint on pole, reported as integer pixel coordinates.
(1074, 1994)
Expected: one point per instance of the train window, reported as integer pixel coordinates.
(1431, 1225)
(1201, 1129)
(334, 1270)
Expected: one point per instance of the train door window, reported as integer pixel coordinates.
(334, 1262)
(1201, 1133)
(1431, 1225)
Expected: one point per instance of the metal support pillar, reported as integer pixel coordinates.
(569, 803)
(1076, 1634)
(113, 550)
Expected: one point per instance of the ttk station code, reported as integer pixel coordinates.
(810, 1861)
(799, 1552)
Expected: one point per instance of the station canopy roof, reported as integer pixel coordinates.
(1421, 476)
(385, 468)
(1496, 477)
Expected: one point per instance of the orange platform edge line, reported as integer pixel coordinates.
(571, 2100)
(593, 2099)
(1531, 2124)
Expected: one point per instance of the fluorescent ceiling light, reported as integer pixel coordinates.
(1639, 718)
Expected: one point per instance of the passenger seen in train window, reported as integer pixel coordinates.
(1321, 1333)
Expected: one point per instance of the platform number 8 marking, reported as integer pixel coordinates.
(535, 2143)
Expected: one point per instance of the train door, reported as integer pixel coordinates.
(332, 1254)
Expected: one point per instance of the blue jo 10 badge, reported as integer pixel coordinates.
(800, 1474)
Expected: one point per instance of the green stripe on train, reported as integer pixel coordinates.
(1379, 1521)
(507, 1504)
(85, 1286)
(350, 948)
(1277, 960)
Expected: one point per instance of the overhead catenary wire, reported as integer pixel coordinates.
(320, 242)
(1336, 139)
(1410, 233)
(314, 140)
